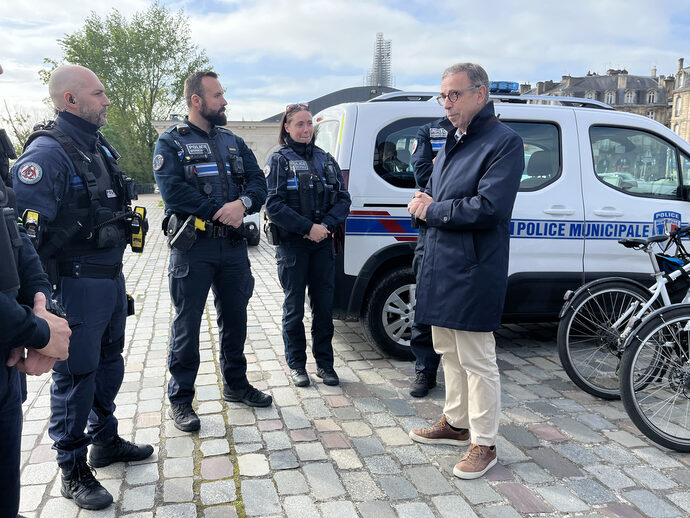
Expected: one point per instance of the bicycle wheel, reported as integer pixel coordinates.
(655, 377)
(588, 343)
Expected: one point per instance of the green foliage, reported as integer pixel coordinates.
(143, 63)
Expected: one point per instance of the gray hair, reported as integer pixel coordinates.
(475, 73)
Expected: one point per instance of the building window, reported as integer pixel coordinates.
(651, 97)
(676, 129)
(589, 95)
(629, 97)
(650, 114)
(679, 105)
(609, 98)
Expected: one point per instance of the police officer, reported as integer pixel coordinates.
(38, 334)
(307, 201)
(430, 139)
(208, 179)
(68, 175)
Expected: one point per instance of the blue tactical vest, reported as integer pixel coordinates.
(308, 190)
(213, 165)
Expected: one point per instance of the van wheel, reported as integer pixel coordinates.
(389, 313)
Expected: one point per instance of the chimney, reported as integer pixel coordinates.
(622, 80)
(680, 64)
(525, 87)
(565, 81)
(540, 87)
(653, 71)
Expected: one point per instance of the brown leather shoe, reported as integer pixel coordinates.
(441, 433)
(477, 461)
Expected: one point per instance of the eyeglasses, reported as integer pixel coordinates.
(454, 95)
(296, 106)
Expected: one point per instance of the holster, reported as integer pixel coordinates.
(272, 233)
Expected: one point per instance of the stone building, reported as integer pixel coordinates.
(680, 106)
(645, 95)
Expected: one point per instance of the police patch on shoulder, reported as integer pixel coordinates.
(157, 162)
(267, 170)
(30, 173)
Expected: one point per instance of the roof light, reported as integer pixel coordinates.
(503, 87)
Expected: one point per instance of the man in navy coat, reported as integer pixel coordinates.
(462, 282)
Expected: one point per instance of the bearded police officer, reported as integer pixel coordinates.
(430, 139)
(30, 340)
(209, 179)
(68, 182)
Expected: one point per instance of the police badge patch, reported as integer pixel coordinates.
(30, 173)
(157, 162)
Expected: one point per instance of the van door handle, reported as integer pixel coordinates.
(608, 212)
(559, 210)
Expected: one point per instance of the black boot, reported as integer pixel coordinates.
(184, 417)
(81, 486)
(328, 375)
(422, 383)
(117, 450)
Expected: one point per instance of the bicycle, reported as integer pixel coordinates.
(655, 377)
(596, 319)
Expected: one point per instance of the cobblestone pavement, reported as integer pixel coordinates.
(344, 451)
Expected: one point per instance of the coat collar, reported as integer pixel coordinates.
(478, 121)
(82, 131)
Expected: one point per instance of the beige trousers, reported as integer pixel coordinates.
(473, 384)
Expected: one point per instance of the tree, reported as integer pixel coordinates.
(143, 63)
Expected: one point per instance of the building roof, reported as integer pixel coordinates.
(346, 95)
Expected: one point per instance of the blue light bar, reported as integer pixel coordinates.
(503, 87)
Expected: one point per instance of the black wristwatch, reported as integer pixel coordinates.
(246, 201)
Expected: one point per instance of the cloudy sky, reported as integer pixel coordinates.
(272, 52)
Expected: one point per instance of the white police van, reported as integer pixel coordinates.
(592, 176)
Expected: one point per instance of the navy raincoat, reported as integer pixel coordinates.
(463, 278)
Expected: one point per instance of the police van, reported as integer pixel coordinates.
(592, 176)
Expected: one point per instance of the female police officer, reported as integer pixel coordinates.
(307, 200)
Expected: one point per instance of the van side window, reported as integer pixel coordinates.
(542, 153)
(635, 162)
(685, 168)
(393, 150)
(327, 136)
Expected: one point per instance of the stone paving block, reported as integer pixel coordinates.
(496, 474)
(576, 453)
(555, 464)
(520, 414)
(518, 435)
(291, 483)
(284, 459)
(146, 435)
(59, 507)
(562, 499)
(531, 473)
(220, 511)
(649, 478)
(179, 447)
(339, 509)
(327, 425)
(380, 420)
(682, 500)
(277, 440)
(381, 465)
(656, 458)
(414, 510)
(316, 408)
(522, 499)
(245, 434)
(680, 475)
(310, 451)
(300, 507)
(219, 492)
(367, 446)
(249, 447)
(375, 509)
(610, 476)
(596, 422)
(499, 511)
(650, 504)
(345, 459)
(240, 416)
(138, 498)
(212, 426)
(393, 436)
(477, 491)
(30, 497)
(141, 474)
(335, 440)
(591, 491)
(452, 506)
(213, 468)
(214, 447)
(428, 480)
(252, 465)
(578, 431)
(399, 407)
(324, 481)
(293, 417)
(398, 488)
(347, 413)
(34, 474)
(507, 452)
(361, 486)
(357, 429)
(259, 497)
(409, 455)
(303, 435)
(178, 490)
(546, 432)
(624, 438)
(615, 454)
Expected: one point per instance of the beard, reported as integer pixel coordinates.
(96, 117)
(215, 118)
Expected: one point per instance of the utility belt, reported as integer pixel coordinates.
(78, 270)
(183, 231)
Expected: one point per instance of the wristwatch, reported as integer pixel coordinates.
(246, 201)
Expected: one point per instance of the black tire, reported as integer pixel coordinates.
(655, 377)
(588, 345)
(389, 312)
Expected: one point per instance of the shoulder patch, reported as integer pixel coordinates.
(157, 162)
(437, 133)
(267, 170)
(414, 146)
(30, 173)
